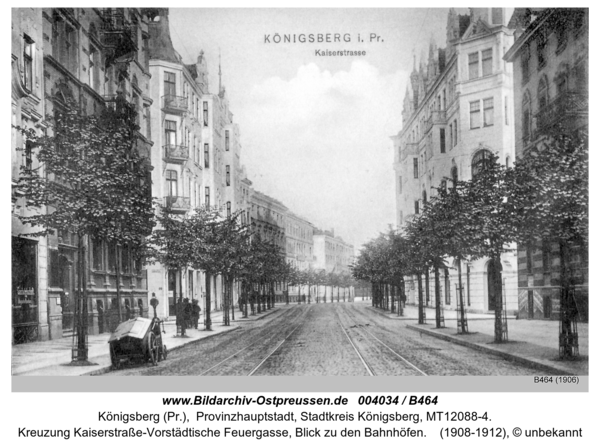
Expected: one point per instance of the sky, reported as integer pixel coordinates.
(315, 130)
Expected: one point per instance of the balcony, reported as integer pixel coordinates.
(410, 149)
(117, 33)
(436, 117)
(175, 154)
(177, 204)
(174, 104)
(566, 109)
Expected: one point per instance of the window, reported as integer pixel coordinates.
(546, 255)
(416, 207)
(454, 175)
(486, 62)
(228, 209)
(529, 255)
(226, 140)
(28, 154)
(488, 111)
(125, 259)
(93, 68)
(205, 112)
(172, 183)
(400, 185)
(112, 257)
(27, 62)
(475, 114)
(207, 196)
(442, 141)
(170, 133)
(444, 185)
(526, 116)
(424, 198)
(97, 255)
(473, 65)
(206, 159)
(227, 176)
(482, 160)
(455, 132)
(170, 87)
(451, 135)
(541, 42)
(416, 167)
(525, 56)
(69, 59)
(506, 110)
(542, 94)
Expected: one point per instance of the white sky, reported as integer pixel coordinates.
(315, 130)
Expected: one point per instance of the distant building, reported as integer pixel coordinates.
(458, 112)
(550, 61)
(332, 253)
(299, 242)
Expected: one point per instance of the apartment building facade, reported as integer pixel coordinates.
(457, 114)
(550, 60)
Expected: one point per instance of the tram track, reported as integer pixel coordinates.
(249, 349)
(377, 342)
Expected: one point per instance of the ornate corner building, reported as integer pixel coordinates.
(457, 113)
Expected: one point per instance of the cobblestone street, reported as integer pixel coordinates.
(328, 339)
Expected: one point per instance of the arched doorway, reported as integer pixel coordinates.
(494, 283)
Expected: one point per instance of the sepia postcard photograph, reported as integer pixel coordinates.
(312, 197)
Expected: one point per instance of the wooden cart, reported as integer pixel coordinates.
(137, 340)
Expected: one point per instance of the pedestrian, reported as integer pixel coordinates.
(195, 312)
(179, 317)
(187, 313)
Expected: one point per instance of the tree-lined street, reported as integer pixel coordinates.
(325, 340)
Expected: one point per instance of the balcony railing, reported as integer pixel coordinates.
(175, 104)
(409, 150)
(117, 33)
(436, 117)
(175, 154)
(178, 204)
(564, 109)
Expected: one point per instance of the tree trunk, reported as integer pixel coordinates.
(118, 280)
(463, 324)
(497, 278)
(81, 306)
(568, 339)
(421, 309)
(427, 286)
(438, 320)
(207, 305)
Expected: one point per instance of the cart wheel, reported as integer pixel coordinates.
(113, 357)
(153, 349)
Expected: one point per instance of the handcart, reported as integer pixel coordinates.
(137, 340)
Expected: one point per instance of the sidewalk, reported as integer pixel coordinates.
(51, 358)
(530, 342)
